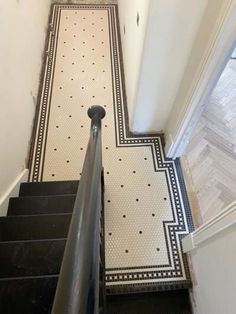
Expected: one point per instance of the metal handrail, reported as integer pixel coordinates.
(78, 284)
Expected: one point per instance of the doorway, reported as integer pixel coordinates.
(209, 161)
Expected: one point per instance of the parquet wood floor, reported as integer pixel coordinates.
(210, 158)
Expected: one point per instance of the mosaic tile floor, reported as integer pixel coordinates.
(145, 215)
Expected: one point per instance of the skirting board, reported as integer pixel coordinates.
(224, 220)
(12, 191)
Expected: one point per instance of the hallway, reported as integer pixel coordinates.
(146, 210)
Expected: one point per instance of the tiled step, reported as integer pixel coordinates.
(19, 228)
(31, 258)
(35, 205)
(168, 302)
(48, 188)
(29, 295)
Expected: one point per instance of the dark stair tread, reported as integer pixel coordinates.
(48, 188)
(35, 205)
(27, 295)
(168, 302)
(19, 228)
(31, 258)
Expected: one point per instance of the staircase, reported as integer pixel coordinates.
(33, 237)
(52, 248)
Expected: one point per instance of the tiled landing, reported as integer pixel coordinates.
(145, 215)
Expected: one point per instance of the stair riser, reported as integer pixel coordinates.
(19, 259)
(168, 302)
(37, 205)
(20, 228)
(27, 295)
(49, 188)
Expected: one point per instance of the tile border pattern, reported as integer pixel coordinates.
(118, 282)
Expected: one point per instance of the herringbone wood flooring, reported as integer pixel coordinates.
(211, 153)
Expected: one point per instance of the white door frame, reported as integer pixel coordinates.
(212, 65)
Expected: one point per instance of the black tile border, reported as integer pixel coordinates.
(43, 105)
(125, 138)
(39, 94)
(184, 193)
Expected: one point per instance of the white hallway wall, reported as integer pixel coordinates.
(158, 59)
(22, 29)
(214, 267)
(171, 31)
(132, 44)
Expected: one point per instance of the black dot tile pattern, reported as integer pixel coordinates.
(146, 208)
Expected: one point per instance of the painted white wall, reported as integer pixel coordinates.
(132, 43)
(171, 31)
(215, 272)
(22, 30)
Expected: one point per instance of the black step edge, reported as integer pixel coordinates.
(20, 228)
(146, 288)
(31, 258)
(35, 205)
(48, 188)
(168, 302)
(27, 295)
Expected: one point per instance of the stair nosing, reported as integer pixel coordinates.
(40, 215)
(29, 277)
(32, 241)
(42, 196)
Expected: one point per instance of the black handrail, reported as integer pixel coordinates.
(78, 284)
